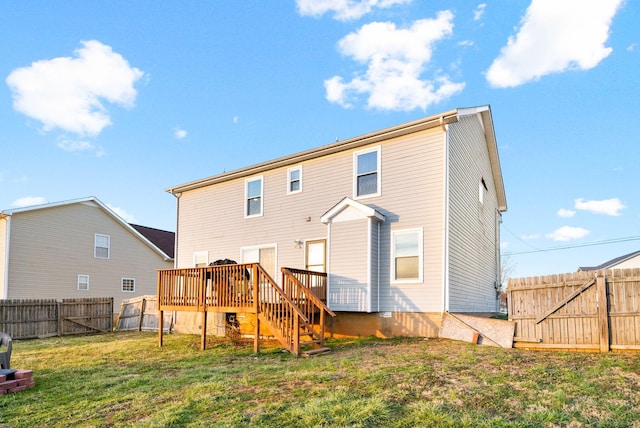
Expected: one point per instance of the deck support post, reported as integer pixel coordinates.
(203, 339)
(256, 306)
(160, 327)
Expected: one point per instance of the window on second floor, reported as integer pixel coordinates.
(294, 180)
(366, 173)
(253, 197)
(102, 246)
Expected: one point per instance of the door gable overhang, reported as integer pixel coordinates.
(348, 209)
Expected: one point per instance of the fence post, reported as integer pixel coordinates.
(603, 313)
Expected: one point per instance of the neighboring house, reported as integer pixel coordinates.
(405, 221)
(78, 248)
(631, 260)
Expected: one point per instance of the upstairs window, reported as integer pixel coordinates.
(253, 197)
(407, 255)
(101, 247)
(128, 285)
(366, 167)
(294, 180)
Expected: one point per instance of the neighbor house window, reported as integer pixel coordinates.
(128, 284)
(366, 168)
(83, 282)
(406, 263)
(102, 244)
(253, 197)
(294, 180)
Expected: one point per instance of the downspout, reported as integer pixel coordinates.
(369, 260)
(445, 239)
(175, 240)
(499, 278)
(6, 257)
(378, 263)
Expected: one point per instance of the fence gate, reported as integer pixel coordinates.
(594, 311)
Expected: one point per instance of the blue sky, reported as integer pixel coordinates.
(120, 100)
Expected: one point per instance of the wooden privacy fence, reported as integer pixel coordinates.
(36, 318)
(593, 311)
(141, 314)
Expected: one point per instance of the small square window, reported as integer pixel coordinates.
(128, 285)
(294, 180)
(102, 245)
(83, 282)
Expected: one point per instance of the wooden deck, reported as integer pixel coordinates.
(295, 310)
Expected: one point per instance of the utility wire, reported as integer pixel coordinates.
(567, 247)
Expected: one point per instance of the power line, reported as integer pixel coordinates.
(567, 247)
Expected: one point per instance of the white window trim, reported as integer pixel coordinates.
(122, 285)
(95, 246)
(289, 180)
(198, 254)
(260, 247)
(420, 232)
(378, 150)
(83, 276)
(246, 196)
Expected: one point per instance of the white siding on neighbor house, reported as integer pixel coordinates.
(348, 265)
(473, 233)
(3, 257)
(633, 262)
(211, 218)
(50, 247)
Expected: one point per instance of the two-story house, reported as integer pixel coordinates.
(78, 248)
(405, 221)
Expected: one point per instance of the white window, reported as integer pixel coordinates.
(294, 180)
(201, 258)
(366, 173)
(101, 248)
(253, 197)
(128, 284)
(406, 255)
(83, 282)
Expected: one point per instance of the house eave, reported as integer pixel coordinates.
(370, 138)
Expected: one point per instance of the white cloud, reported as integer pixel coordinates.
(395, 60)
(74, 145)
(610, 207)
(28, 201)
(179, 133)
(343, 10)
(122, 213)
(531, 236)
(566, 213)
(68, 93)
(466, 43)
(555, 36)
(479, 11)
(632, 47)
(568, 233)
(236, 119)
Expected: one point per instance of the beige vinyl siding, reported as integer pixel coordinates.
(633, 262)
(51, 247)
(472, 226)
(211, 218)
(348, 264)
(3, 256)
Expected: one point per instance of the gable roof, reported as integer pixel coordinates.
(610, 263)
(105, 208)
(163, 239)
(350, 209)
(437, 120)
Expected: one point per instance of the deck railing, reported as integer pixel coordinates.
(290, 311)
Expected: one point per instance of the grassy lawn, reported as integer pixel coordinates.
(124, 379)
